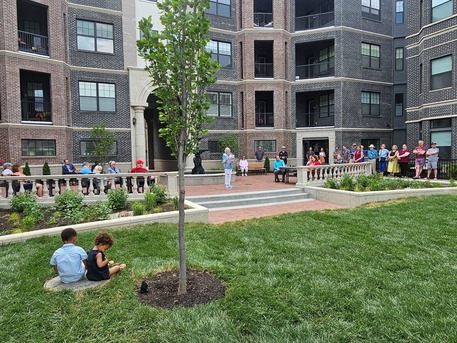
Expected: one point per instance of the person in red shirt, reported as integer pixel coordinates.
(420, 152)
(313, 161)
(140, 179)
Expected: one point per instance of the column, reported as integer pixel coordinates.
(139, 132)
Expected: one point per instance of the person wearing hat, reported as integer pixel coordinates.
(140, 179)
(432, 162)
(7, 169)
(372, 155)
(283, 154)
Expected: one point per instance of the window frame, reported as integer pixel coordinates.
(374, 62)
(399, 12)
(97, 38)
(399, 105)
(399, 61)
(218, 5)
(97, 97)
(40, 149)
(113, 152)
(269, 146)
(218, 55)
(219, 104)
(438, 80)
(440, 6)
(328, 104)
(369, 10)
(371, 108)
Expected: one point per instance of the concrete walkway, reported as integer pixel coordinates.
(255, 183)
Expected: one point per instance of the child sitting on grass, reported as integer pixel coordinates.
(67, 259)
(97, 266)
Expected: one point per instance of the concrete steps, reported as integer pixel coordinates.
(231, 200)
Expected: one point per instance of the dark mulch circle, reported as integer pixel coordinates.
(202, 288)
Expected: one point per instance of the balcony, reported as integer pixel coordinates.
(315, 70)
(313, 119)
(36, 111)
(263, 19)
(264, 119)
(263, 69)
(315, 109)
(33, 43)
(314, 21)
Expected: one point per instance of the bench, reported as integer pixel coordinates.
(258, 167)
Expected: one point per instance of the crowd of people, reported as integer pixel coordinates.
(99, 183)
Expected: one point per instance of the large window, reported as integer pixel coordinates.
(371, 103)
(441, 9)
(371, 9)
(221, 52)
(38, 147)
(327, 59)
(87, 147)
(220, 104)
(94, 96)
(441, 73)
(95, 36)
(441, 134)
(219, 7)
(268, 146)
(371, 55)
(326, 105)
(399, 58)
(399, 12)
(399, 104)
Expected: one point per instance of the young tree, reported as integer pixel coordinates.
(103, 143)
(181, 69)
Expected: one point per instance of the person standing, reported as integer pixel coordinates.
(358, 154)
(259, 153)
(310, 153)
(393, 167)
(322, 156)
(420, 150)
(346, 154)
(283, 155)
(372, 155)
(383, 157)
(227, 161)
(403, 160)
(337, 155)
(352, 151)
(432, 162)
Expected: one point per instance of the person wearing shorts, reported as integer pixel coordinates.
(432, 162)
(420, 152)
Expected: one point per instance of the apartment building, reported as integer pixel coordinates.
(61, 73)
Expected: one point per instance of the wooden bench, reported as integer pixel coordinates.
(258, 167)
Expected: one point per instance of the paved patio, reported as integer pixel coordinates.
(253, 183)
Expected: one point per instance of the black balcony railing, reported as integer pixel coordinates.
(314, 21)
(315, 70)
(38, 111)
(306, 119)
(263, 19)
(264, 120)
(263, 70)
(447, 169)
(33, 43)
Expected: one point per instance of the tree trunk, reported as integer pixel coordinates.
(182, 288)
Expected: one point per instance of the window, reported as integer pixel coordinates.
(399, 58)
(268, 146)
(94, 96)
(220, 104)
(399, 104)
(441, 133)
(399, 12)
(141, 34)
(327, 60)
(370, 103)
(221, 52)
(38, 147)
(371, 56)
(441, 9)
(326, 105)
(441, 73)
(93, 36)
(219, 7)
(421, 76)
(88, 146)
(371, 9)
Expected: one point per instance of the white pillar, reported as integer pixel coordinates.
(139, 132)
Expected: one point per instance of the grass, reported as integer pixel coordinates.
(372, 274)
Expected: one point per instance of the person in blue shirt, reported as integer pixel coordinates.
(277, 169)
(372, 156)
(70, 261)
(227, 161)
(383, 157)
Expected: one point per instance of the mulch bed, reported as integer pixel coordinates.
(202, 288)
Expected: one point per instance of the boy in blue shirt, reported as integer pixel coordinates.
(67, 259)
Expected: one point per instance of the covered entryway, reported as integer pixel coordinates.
(316, 144)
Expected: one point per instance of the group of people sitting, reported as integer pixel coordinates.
(98, 183)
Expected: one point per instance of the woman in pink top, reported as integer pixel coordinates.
(403, 160)
(358, 154)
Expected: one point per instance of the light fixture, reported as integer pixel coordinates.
(134, 121)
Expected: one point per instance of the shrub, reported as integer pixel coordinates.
(26, 169)
(452, 183)
(15, 219)
(138, 208)
(46, 170)
(346, 183)
(150, 201)
(28, 222)
(331, 183)
(267, 164)
(117, 199)
(69, 201)
(101, 210)
(160, 194)
(27, 203)
(175, 203)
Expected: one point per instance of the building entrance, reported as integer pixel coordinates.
(316, 144)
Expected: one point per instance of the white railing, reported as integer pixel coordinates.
(316, 175)
(94, 187)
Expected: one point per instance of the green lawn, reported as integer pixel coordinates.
(383, 273)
